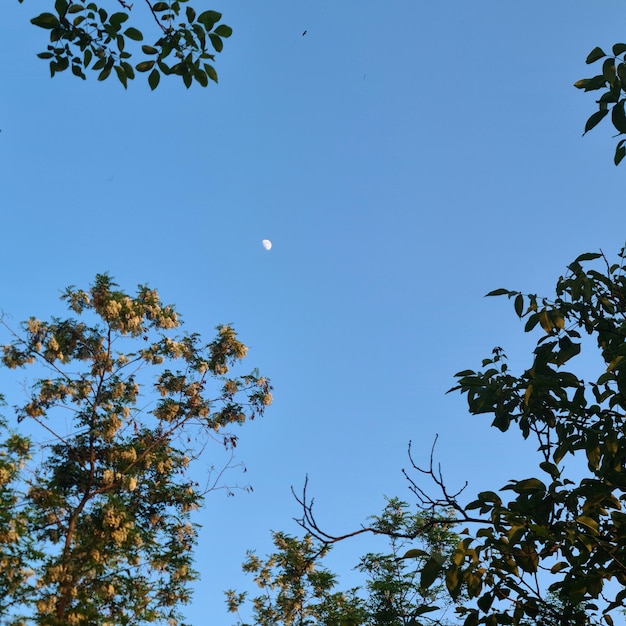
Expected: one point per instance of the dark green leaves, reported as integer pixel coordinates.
(619, 48)
(613, 80)
(431, 570)
(618, 117)
(595, 119)
(224, 31)
(154, 79)
(591, 84)
(209, 18)
(620, 152)
(595, 55)
(85, 36)
(45, 20)
(145, 66)
(587, 256)
(530, 485)
(133, 33)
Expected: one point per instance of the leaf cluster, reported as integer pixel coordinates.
(572, 531)
(297, 589)
(548, 549)
(612, 80)
(85, 36)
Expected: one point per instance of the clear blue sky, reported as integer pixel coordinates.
(405, 158)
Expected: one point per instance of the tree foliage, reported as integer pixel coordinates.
(549, 548)
(297, 590)
(105, 36)
(95, 523)
(612, 79)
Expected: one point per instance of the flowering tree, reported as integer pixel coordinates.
(296, 589)
(95, 524)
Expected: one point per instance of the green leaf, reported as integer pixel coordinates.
(587, 256)
(160, 6)
(619, 48)
(550, 468)
(154, 78)
(210, 72)
(60, 6)
(121, 74)
(498, 292)
(557, 567)
(431, 570)
(104, 74)
(425, 608)
(589, 523)
(568, 349)
(414, 553)
(133, 33)
(191, 14)
(591, 84)
(201, 77)
(595, 55)
(491, 497)
(594, 120)
(46, 20)
(618, 117)
(529, 485)
(532, 321)
(620, 152)
(608, 70)
(223, 31)
(128, 69)
(216, 42)
(519, 304)
(209, 18)
(117, 19)
(149, 50)
(144, 66)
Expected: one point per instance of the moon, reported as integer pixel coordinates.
(267, 244)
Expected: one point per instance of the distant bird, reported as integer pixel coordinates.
(304, 33)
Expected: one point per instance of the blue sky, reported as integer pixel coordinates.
(404, 158)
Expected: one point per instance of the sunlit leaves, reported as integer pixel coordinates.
(83, 36)
(573, 529)
(296, 588)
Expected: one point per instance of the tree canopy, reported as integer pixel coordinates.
(96, 492)
(106, 37)
(297, 589)
(549, 548)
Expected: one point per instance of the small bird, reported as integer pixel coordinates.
(304, 33)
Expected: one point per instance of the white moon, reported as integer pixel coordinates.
(267, 244)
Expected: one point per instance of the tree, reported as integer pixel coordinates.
(95, 523)
(296, 589)
(613, 79)
(551, 548)
(84, 35)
